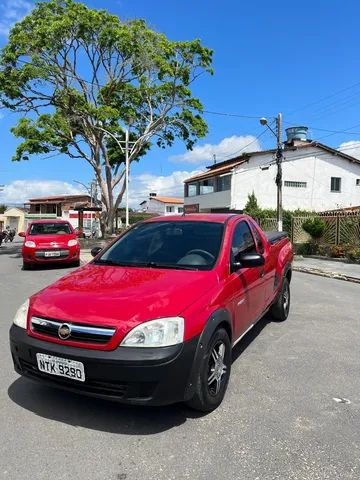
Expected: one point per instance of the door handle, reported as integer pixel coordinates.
(262, 273)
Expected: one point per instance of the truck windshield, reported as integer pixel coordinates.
(50, 229)
(186, 245)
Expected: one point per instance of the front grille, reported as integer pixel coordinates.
(78, 332)
(41, 253)
(118, 389)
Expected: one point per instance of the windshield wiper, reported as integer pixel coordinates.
(112, 263)
(165, 265)
(143, 265)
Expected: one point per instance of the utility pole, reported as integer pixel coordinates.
(127, 177)
(279, 158)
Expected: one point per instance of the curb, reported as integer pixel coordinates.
(321, 273)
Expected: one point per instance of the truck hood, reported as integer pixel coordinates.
(121, 297)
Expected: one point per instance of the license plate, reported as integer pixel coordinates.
(62, 367)
(52, 254)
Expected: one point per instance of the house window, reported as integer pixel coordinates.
(207, 186)
(223, 183)
(358, 182)
(335, 184)
(180, 209)
(170, 209)
(192, 189)
(290, 183)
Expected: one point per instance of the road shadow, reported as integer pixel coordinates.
(52, 266)
(96, 414)
(250, 336)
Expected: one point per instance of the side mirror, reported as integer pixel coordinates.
(21, 234)
(248, 260)
(95, 251)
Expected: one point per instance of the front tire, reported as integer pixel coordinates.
(281, 307)
(26, 266)
(213, 374)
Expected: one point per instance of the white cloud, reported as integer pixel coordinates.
(12, 11)
(228, 147)
(170, 185)
(20, 191)
(351, 148)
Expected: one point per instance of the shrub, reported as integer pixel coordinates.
(302, 248)
(338, 251)
(314, 227)
(353, 253)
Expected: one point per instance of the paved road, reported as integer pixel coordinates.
(279, 419)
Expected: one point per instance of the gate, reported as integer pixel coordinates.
(340, 228)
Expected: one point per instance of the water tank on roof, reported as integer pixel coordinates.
(296, 133)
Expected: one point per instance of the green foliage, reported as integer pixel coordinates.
(3, 207)
(252, 208)
(82, 75)
(303, 248)
(314, 227)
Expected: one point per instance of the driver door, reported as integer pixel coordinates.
(246, 283)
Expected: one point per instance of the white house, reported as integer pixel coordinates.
(65, 207)
(315, 177)
(162, 205)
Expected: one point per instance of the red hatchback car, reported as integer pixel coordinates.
(153, 318)
(47, 241)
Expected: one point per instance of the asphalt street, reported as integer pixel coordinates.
(292, 410)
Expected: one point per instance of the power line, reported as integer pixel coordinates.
(324, 98)
(237, 115)
(231, 155)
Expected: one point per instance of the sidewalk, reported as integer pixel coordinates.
(328, 268)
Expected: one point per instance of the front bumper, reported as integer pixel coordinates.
(142, 376)
(37, 255)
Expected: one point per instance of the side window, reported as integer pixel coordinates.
(243, 241)
(259, 242)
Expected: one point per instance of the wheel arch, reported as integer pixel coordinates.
(219, 318)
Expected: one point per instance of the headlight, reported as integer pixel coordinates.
(72, 243)
(30, 244)
(21, 315)
(156, 333)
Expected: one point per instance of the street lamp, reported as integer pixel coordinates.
(126, 166)
(92, 191)
(279, 156)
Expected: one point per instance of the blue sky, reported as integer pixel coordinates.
(298, 58)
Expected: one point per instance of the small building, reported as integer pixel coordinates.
(315, 177)
(65, 207)
(162, 205)
(13, 217)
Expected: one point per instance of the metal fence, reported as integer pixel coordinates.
(267, 224)
(340, 228)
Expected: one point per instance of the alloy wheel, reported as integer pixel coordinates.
(217, 368)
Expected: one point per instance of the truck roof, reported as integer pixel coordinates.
(197, 217)
(48, 220)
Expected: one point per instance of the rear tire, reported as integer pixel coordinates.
(213, 374)
(280, 309)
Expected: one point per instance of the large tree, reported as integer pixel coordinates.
(80, 76)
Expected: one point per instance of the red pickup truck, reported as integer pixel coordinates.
(155, 315)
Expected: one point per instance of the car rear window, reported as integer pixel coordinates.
(180, 244)
(50, 229)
